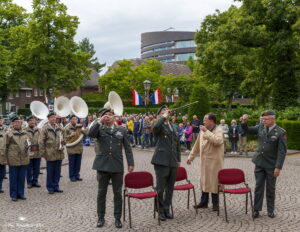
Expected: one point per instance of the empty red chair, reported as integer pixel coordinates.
(233, 177)
(182, 175)
(139, 180)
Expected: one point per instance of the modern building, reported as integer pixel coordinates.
(168, 46)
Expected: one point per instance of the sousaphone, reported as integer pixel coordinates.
(39, 110)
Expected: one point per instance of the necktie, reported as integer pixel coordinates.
(267, 129)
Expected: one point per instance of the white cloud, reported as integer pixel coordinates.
(115, 26)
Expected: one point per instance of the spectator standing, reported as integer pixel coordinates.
(188, 132)
(233, 137)
(243, 140)
(146, 132)
(225, 132)
(196, 127)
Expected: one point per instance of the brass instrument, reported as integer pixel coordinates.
(72, 141)
(181, 107)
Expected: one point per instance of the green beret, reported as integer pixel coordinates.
(15, 118)
(50, 114)
(72, 116)
(160, 109)
(29, 117)
(268, 113)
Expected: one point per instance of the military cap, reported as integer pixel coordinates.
(268, 112)
(29, 117)
(50, 114)
(103, 111)
(162, 107)
(1, 117)
(15, 118)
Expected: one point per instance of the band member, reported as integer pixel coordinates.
(109, 162)
(268, 160)
(3, 162)
(73, 131)
(166, 160)
(33, 168)
(210, 146)
(16, 150)
(51, 143)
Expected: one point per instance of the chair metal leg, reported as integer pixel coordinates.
(154, 205)
(195, 200)
(246, 203)
(225, 206)
(188, 203)
(251, 206)
(129, 212)
(157, 205)
(124, 205)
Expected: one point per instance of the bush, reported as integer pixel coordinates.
(24, 111)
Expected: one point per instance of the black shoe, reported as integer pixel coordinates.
(118, 223)
(22, 198)
(51, 192)
(100, 222)
(41, 173)
(36, 185)
(58, 191)
(79, 179)
(215, 207)
(5, 177)
(14, 199)
(73, 180)
(168, 215)
(201, 205)
(255, 214)
(29, 186)
(1, 191)
(271, 215)
(162, 216)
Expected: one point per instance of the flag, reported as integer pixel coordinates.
(136, 98)
(156, 97)
(54, 100)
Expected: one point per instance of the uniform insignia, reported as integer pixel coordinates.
(119, 133)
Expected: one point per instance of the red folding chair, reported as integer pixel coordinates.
(233, 177)
(182, 175)
(139, 180)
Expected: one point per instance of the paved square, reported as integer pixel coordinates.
(75, 209)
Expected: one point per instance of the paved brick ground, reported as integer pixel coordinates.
(75, 209)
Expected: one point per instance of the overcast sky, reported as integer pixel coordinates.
(115, 26)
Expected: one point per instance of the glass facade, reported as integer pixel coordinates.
(184, 56)
(185, 44)
(157, 44)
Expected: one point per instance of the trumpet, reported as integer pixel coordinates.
(184, 106)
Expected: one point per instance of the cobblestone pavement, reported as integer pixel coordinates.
(75, 208)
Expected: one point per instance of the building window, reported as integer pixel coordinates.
(157, 44)
(11, 96)
(185, 44)
(28, 93)
(17, 94)
(41, 92)
(36, 92)
(184, 56)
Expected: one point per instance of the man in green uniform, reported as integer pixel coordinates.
(109, 162)
(268, 160)
(166, 160)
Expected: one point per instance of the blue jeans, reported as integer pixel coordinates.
(146, 140)
(234, 146)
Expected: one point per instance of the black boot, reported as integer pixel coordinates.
(100, 222)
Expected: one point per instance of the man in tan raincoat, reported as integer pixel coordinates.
(209, 145)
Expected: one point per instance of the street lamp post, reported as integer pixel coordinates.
(147, 86)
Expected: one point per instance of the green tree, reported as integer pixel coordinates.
(47, 55)
(87, 47)
(11, 16)
(199, 93)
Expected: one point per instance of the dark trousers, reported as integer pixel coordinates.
(165, 180)
(188, 145)
(137, 138)
(33, 171)
(53, 174)
(2, 174)
(264, 176)
(205, 198)
(117, 183)
(234, 145)
(74, 166)
(17, 180)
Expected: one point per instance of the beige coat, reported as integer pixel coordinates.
(209, 145)
(16, 148)
(3, 131)
(78, 148)
(33, 135)
(49, 141)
